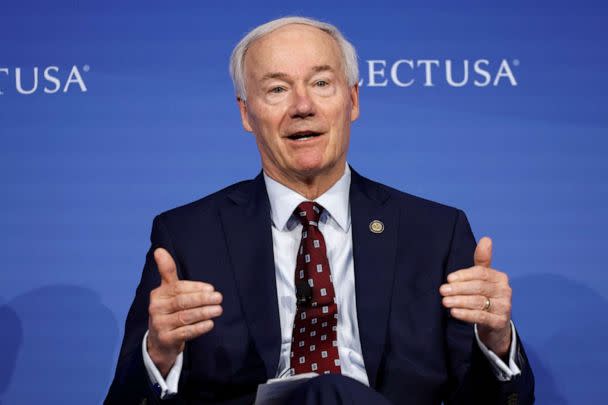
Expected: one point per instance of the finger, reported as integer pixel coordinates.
(166, 266)
(194, 315)
(184, 287)
(483, 252)
(493, 321)
(473, 287)
(163, 295)
(168, 322)
(193, 300)
(476, 302)
(472, 273)
(188, 332)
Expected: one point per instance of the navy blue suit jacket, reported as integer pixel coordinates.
(414, 352)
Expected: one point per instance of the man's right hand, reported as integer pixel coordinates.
(179, 311)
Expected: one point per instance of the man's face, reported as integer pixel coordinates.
(299, 104)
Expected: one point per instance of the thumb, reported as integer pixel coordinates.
(483, 252)
(166, 266)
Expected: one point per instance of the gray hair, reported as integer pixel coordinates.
(237, 59)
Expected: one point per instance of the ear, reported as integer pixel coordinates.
(244, 117)
(354, 98)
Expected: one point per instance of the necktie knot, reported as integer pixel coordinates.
(308, 213)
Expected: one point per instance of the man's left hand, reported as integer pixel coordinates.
(482, 295)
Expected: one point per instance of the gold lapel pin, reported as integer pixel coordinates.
(376, 226)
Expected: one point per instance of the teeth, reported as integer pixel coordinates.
(302, 136)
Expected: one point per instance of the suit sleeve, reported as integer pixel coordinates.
(472, 379)
(131, 384)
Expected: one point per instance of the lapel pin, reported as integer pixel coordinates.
(376, 226)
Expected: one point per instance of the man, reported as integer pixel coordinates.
(312, 267)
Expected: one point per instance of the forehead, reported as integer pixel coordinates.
(292, 49)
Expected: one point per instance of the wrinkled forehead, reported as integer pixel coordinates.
(295, 49)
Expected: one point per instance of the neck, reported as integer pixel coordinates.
(310, 186)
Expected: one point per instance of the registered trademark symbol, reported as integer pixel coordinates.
(86, 68)
(515, 62)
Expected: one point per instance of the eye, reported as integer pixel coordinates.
(322, 83)
(277, 90)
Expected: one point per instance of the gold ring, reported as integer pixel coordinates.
(487, 305)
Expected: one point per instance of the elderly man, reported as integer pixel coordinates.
(311, 267)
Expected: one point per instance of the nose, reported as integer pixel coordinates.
(302, 105)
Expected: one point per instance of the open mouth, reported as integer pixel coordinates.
(303, 135)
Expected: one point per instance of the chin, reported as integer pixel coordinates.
(311, 169)
(309, 165)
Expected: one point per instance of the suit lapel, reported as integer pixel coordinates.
(248, 233)
(374, 255)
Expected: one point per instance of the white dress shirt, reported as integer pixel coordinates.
(335, 224)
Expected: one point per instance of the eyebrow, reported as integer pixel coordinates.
(281, 75)
(322, 68)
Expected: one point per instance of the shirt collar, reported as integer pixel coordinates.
(283, 201)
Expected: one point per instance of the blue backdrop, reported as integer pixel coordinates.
(111, 112)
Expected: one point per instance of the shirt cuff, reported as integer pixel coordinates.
(501, 370)
(168, 386)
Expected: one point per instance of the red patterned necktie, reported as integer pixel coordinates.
(314, 343)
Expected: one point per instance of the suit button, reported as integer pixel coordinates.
(512, 399)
